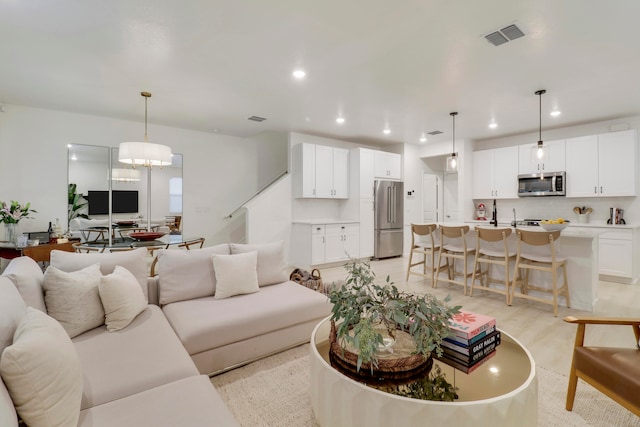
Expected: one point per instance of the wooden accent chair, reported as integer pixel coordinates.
(192, 244)
(613, 371)
(423, 243)
(490, 252)
(549, 262)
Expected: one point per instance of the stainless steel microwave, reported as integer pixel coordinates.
(542, 184)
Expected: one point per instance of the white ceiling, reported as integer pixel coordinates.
(211, 64)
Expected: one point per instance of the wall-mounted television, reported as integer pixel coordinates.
(124, 201)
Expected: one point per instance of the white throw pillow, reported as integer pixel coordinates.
(271, 261)
(42, 372)
(27, 275)
(73, 299)
(121, 297)
(236, 274)
(185, 275)
(135, 261)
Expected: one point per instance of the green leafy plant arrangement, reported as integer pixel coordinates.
(433, 387)
(361, 307)
(76, 203)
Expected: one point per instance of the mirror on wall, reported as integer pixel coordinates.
(89, 186)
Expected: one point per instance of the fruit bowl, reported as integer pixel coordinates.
(554, 226)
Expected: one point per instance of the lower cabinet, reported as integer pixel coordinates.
(315, 244)
(615, 255)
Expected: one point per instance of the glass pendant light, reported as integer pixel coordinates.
(452, 161)
(540, 152)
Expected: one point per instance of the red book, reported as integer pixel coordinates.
(467, 325)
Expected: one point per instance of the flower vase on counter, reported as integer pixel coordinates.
(10, 232)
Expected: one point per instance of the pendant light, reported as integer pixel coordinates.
(452, 161)
(540, 150)
(144, 153)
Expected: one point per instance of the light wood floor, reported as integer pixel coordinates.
(549, 339)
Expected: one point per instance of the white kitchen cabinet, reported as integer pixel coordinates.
(617, 250)
(553, 161)
(387, 165)
(320, 171)
(495, 173)
(367, 231)
(602, 165)
(316, 244)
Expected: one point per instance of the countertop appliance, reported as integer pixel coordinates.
(388, 222)
(542, 184)
(529, 222)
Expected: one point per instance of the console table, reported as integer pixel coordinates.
(502, 392)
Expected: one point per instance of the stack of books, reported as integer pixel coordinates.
(474, 341)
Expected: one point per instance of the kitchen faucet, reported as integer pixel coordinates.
(513, 223)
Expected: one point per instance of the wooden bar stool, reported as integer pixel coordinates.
(489, 252)
(453, 247)
(549, 262)
(423, 242)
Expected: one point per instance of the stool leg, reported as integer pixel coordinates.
(506, 279)
(566, 284)
(473, 277)
(409, 266)
(464, 275)
(434, 283)
(554, 274)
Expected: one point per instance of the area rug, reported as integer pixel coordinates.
(275, 392)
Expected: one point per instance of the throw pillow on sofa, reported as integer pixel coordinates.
(121, 297)
(135, 261)
(271, 261)
(185, 275)
(42, 372)
(236, 274)
(27, 276)
(73, 299)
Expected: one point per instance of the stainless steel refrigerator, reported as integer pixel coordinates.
(389, 208)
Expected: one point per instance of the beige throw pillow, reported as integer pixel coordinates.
(73, 298)
(121, 297)
(236, 274)
(43, 373)
(271, 261)
(27, 275)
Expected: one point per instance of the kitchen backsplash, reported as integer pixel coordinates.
(555, 207)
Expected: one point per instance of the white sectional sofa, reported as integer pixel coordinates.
(144, 373)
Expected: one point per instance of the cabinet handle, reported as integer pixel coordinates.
(322, 239)
(600, 189)
(538, 166)
(595, 190)
(314, 192)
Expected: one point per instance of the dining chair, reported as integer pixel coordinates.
(423, 243)
(492, 248)
(191, 244)
(84, 248)
(548, 261)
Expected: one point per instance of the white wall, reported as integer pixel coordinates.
(220, 171)
(553, 207)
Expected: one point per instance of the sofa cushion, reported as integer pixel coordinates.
(184, 275)
(206, 323)
(73, 298)
(135, 261)
(42, 372)
(190, 402)
(121, 297)
(145, 354)
(12, 310)
(27, 275)
(235, 274)
(271, 261)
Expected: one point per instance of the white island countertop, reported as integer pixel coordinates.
(324, 221)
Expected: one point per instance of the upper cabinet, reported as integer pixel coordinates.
(495, 173)
(554, 161)
(320, 171)
(602, 165)
(387, 165)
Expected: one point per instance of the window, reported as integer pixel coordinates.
(175, 195)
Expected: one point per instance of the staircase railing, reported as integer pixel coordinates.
(273, 181)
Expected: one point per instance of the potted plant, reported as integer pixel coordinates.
(363, 312)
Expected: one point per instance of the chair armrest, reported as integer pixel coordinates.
(612, 321)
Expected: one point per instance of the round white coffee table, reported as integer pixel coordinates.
(501, 392)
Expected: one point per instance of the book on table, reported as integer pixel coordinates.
(468, 327)
(478, 352)
(464, 367)
(469, 351)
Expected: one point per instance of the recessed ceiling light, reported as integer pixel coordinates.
(555, 113)
(299, 74)
(423, 138)
(493, 125)
(340, 120)
(386, 131)
(73, 157)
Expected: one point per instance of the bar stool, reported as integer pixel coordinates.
(489, 252)
(453, 247)
(423, 242)
(548, 262)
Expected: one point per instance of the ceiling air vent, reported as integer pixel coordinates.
(504, 35)
(435, 132)
(257, 119)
